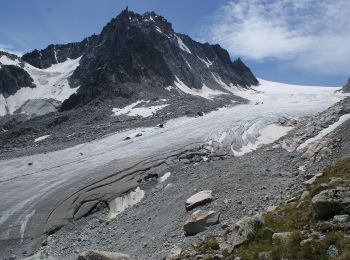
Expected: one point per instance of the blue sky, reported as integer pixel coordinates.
(293, 41)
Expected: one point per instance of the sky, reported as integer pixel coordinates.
(293, 41)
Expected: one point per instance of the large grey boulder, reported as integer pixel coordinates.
(199, 220)
(241, 231)
(331, 202)
(199, 198)
(102, 255)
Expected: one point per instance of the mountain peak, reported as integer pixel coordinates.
(127, 19)
(138, 57)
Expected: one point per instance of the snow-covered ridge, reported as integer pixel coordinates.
(51, 83)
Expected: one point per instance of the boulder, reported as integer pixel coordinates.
(199, 220)
(332, 251)
(312, 180)
(331, 202)
(102, 255)
(341, 218)
(291, 200)
(318, 189)
(240, 232)
(199, 198)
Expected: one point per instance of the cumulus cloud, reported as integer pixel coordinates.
(310, 34)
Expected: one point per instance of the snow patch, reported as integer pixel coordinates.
(325, 131)
(146, 111)
(204, 92)
(182, 45)
(51, 83)
(41, 138)
(187, 63)
(207, 62)
(126, 109)
(159, 30)
(55, 54)
(120, 204)
(4, 60)
(164, 177)
(132, 110)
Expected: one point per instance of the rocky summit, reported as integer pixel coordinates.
(140, 56)
(136, 57)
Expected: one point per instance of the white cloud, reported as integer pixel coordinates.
(9, 49)
(311, 34)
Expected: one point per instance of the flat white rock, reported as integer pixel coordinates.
(198, 199)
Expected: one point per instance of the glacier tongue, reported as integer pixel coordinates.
(23, 186)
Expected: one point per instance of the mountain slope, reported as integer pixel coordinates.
(135, 57)
(140, 56)
(21, 82)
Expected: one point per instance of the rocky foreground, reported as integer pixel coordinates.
(278, 202)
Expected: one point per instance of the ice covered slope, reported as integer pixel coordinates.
(53, 177)
(50, 83)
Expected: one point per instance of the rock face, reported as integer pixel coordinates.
(139, 56)
(57, 53)
(199, 220)
(135, 57)
(39, 107)
(199, 198)
(316, 151)
(12, 78)
(346, 87)
(331, 202)
(102, 255)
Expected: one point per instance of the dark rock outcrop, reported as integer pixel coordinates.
(57, 53)
(346, 87)
(138, 56)
(12, 78)
(331, 202)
